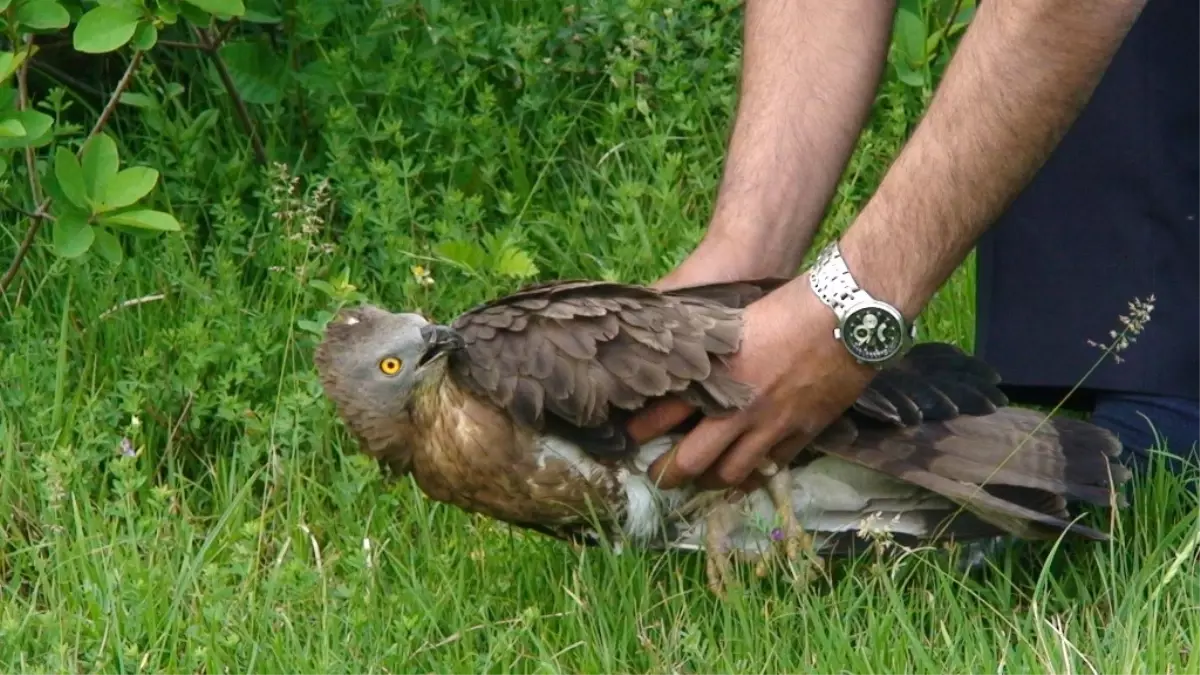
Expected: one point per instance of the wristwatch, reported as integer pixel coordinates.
(874, 332)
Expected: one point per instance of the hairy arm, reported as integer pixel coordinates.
(1015, 84)
(1018, 80)
(810, 69)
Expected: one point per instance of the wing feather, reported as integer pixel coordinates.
(589, 353)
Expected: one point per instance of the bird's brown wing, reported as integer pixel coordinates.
(938, 420)
(934, 381)
(578, 357)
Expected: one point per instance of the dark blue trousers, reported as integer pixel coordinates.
(1152, 425)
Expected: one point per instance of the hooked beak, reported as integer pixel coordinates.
(439, 341)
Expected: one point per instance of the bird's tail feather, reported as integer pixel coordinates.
(1013, 468)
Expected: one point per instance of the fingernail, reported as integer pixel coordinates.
(768, 468)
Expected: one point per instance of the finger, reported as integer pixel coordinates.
(753, 482)
(658, 419)
(695, 452)
(779, 458)
(742, 458)
(786, 450)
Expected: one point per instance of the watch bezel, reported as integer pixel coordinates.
(870, 303)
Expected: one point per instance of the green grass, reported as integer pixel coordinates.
(244, 534)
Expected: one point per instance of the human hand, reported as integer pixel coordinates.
(719, 258)
(803, 378)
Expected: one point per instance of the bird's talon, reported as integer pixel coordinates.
(798, 545)
(719, 572)
(760, 569)
(720, 523)
(788, 539)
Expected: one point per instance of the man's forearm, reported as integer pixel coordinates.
(810, 70)
(1018, 80)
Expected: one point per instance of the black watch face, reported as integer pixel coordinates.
(872, 334)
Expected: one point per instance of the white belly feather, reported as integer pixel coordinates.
(645, 504)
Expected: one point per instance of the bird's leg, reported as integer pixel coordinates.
(724, 517)
(792, 534)
(719, 524)
(721, 521)
(794, 539)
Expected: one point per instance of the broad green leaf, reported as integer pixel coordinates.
(37, 130)
(12, 128)
(73, 235)
(127, 187)
(145, 37)
(909, 37)
(144, 219)
(261, 11)
(318, 15)
(224, 7)
(42, 15)
(105, 28)
(108, 246)
(907, 75)
(323, 286)
(4, 4)
(39, 127)
(255, 16)
(513, 262)
(310, 327)
(464, 253)
(69, 174)
(100, 163)
(195, 14)
(10, 62)
(256, 70)
(138, 100)
(168, 15)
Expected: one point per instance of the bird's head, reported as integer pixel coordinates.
(373, 364)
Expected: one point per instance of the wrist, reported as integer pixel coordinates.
(765, 245)
(887, 276)
(809, 312)
(732, 257)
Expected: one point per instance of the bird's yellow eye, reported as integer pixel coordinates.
(390, 365)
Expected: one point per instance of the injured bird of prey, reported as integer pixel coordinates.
(517, 410)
